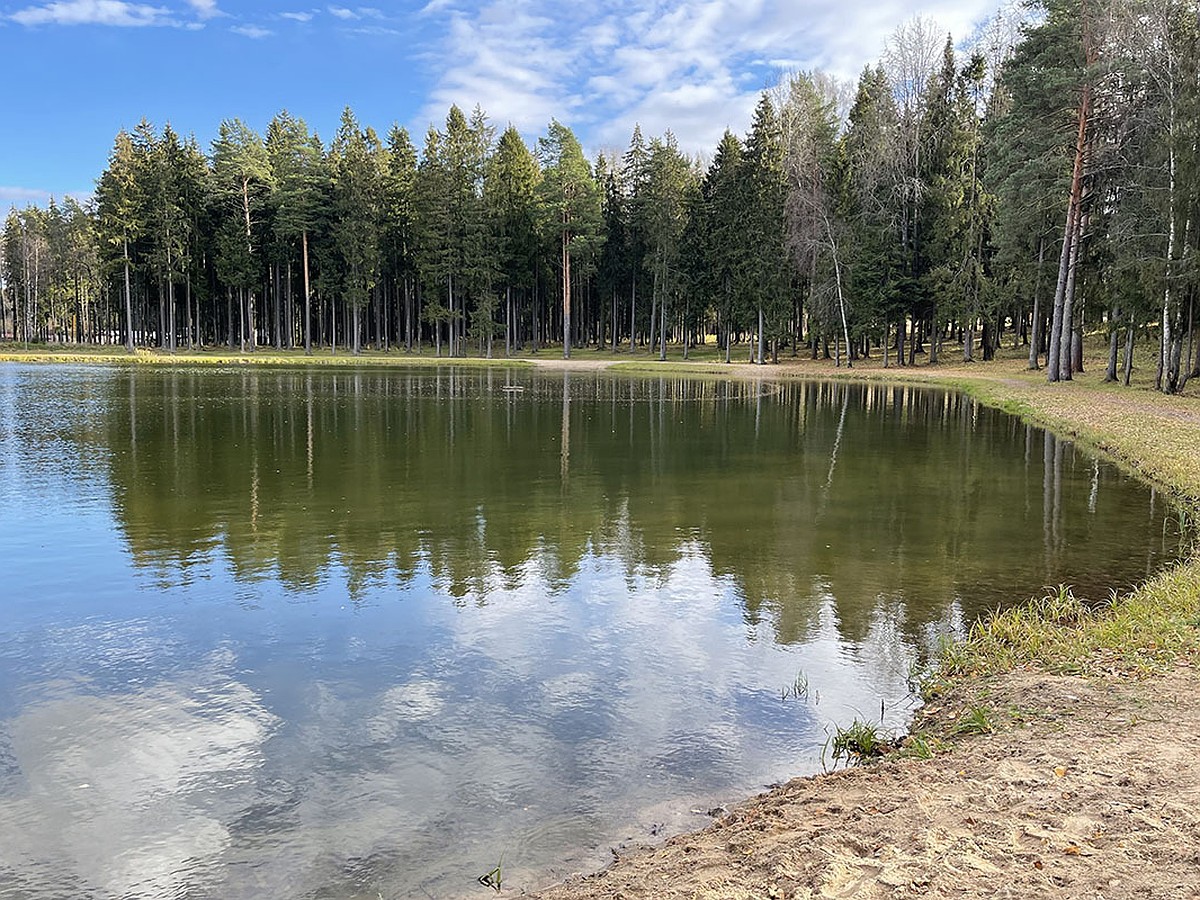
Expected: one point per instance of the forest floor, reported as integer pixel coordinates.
(1057, 754)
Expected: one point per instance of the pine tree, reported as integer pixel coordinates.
(634, 176)
(669, 182)
(767, 265)
(612, 266)
(120, 204)
(570, 206)
(511, 194)
(872, 207)
(721, 268)
(356, 201)
(242, 175)
(297, 173)
(399, 238)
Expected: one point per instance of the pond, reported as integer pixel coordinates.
(369, 632)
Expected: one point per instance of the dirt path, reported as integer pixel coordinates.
(1087, 788)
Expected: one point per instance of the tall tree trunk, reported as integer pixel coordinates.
(837, 273)
(242, 318)
(653, 309)
(307, 296)
(333, 332)
(761, 354)
(189, 322)
(615, 329)
(128, 305)
(289, 309)
(1127, 367)
(1185, 370)
(566, 289)
(728, 339)
(251, 321)
(686, 333)
(1035, 338)
(633, 313)
(1054, 362)
(662, 330)
(408, 315)
(1067, 324)
(249, 294)
(277, 307)
(1114, 341)
(171, 314)
(534, 336)
(162, 316)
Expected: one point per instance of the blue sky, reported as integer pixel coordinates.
(79, 70)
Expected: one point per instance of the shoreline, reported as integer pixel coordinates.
(1054, 753)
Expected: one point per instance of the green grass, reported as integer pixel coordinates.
(977, 720)
(797, 690)
(920, 746)
(1148, 630)
(859, 743)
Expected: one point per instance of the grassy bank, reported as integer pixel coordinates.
(1150, 629)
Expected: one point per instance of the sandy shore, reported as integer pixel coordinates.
(1085, 788)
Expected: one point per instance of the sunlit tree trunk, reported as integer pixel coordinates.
(1059, 323)
(128, 303)
(307, 295)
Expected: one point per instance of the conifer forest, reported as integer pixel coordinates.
(1034, 185)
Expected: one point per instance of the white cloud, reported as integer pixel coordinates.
(251, 31)
(376, 31)
(694, 66)
(205, 9)
(346, 14)
(93, 12)
(297, 16)
(13, 194)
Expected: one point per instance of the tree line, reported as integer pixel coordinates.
(1042, 184)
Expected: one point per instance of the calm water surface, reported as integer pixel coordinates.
(366, 633)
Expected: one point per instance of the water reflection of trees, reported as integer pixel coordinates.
(866, 495)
